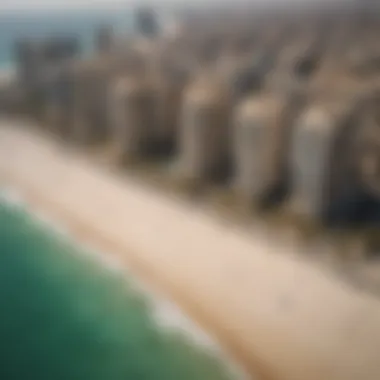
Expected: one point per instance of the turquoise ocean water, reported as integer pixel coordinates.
(65, 317)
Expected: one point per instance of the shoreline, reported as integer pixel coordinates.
(165, 314)
(148, 280)
(258, 302)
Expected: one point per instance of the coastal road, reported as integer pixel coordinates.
(279, 316)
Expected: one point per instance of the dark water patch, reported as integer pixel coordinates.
(63, 316)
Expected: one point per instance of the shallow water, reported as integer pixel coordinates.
(64, 316)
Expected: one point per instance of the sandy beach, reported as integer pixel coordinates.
(278, 316)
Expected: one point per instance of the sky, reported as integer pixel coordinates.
(6, 5)
(43, 4)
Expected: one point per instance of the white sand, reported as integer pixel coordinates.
(280, 317)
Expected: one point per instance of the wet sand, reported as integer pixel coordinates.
(279, 316)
